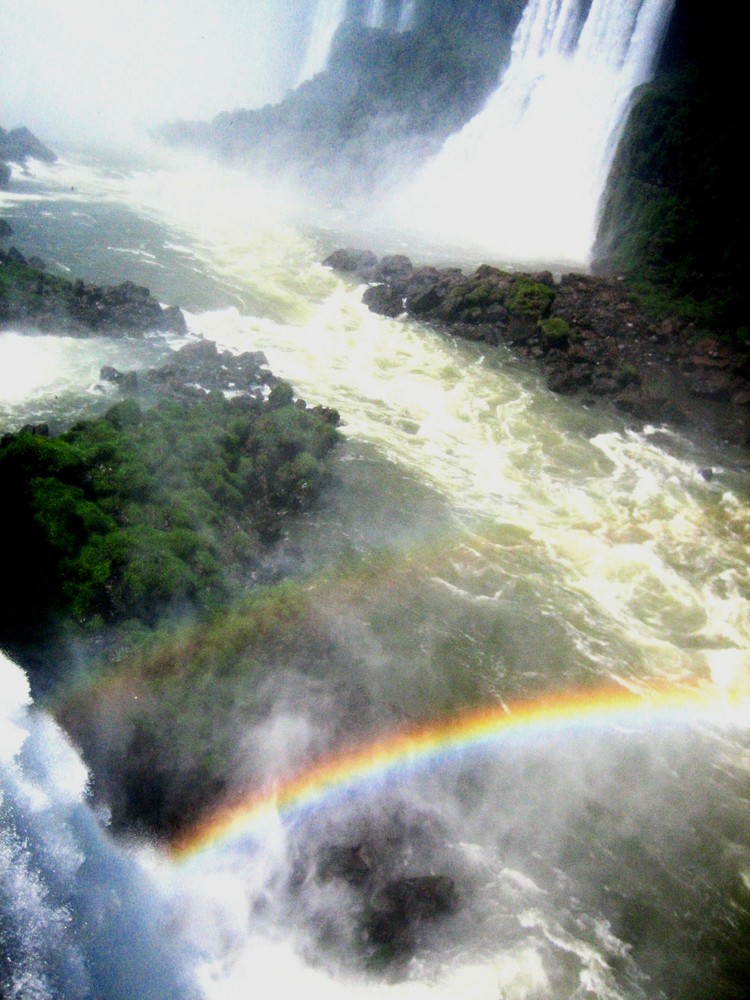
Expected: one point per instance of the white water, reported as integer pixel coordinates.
(375, 14)
(328, 16)
(407, 15)
(524, 178)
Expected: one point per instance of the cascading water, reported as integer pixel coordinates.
(328, 16)
(407, 15)
(376, 14)
(68, 895)
(524, 178)
(396, 15)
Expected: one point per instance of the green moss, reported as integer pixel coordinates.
(530, 299)
(675, 217)
(555, 329)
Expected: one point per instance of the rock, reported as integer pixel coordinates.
(383, 300)
(403, 904)
(424, 302)
(127, 381)
(41, 430)
(5, 228)
(125, 308)
(200, 367)
(37, 263)
(361, 262)
(711, 384)
(20, 144)
(173, 320)
(395, 269)
(14, 256)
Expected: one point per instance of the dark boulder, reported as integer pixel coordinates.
(5, 228)
(173, 320)
(39, 430)
(121, 309)
(14, 256)
(360, 262)
(20, 144)
(707, 384)
(395, 269)
(384, 300)
(199, 368)
(127, 381)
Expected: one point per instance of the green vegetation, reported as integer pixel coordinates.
(126, 516)
(675, 218)
(530, 298)
(555, 329)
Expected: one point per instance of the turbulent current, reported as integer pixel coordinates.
(499, 543)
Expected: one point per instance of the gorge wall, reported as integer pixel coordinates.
(675, 213)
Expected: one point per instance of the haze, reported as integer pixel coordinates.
(87, 71)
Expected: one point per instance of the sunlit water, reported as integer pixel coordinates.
(510, 543)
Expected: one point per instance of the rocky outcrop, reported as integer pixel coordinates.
(17, 146)
(29, 297)
(586, 333)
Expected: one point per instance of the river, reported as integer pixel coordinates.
(484, 542)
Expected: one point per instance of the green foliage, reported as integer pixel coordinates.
(676, 213)
(530, 298)
(555, 329)
(124, 516)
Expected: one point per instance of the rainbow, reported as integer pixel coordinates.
(351, 770)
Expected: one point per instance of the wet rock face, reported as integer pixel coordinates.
(17, 146)
(585, 332)
(29, 297)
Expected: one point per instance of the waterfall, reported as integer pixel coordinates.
(328, 16)
(525, 176)
(70, 897)
(398, 15)
(407, 15)
(375, 14)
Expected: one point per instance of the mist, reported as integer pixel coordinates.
(86, 73)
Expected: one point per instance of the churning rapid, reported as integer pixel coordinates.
(581, 587)
(524, 177)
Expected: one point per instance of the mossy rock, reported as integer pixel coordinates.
(530, 299)
(555, 330)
